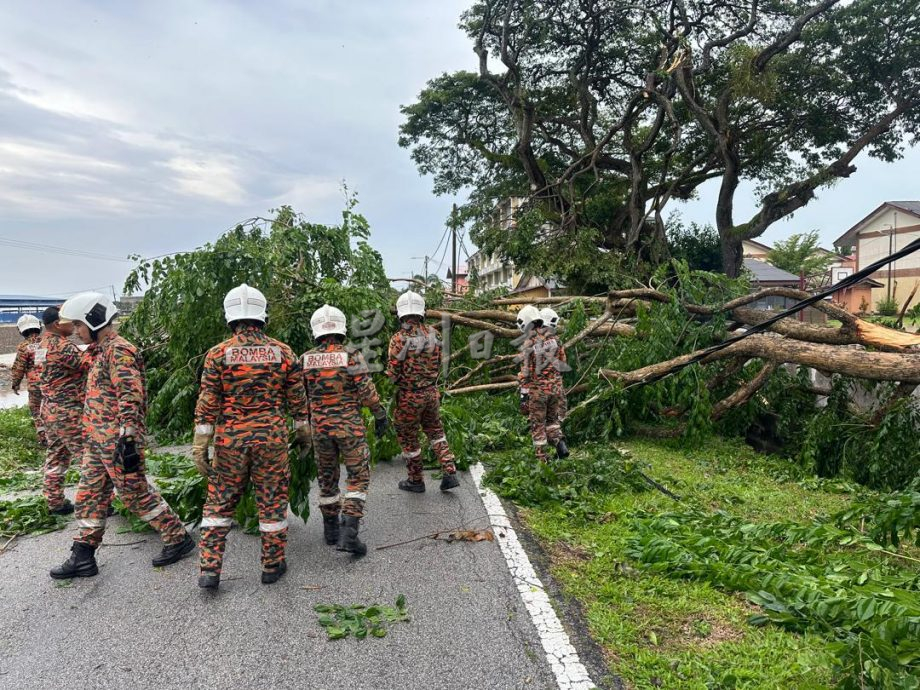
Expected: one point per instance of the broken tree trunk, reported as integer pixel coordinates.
(847, 360)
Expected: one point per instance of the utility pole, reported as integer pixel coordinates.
(453, 251)
(425, 280)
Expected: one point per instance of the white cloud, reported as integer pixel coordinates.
(215, 177)
(307, 192)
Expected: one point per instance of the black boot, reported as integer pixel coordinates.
(208, 579)
(348, 540)
(270, 577)
(82, 563)
(414, 487)
(174, 552)
(66, 508)
(449, 481)
(562, 450)
(331, 529)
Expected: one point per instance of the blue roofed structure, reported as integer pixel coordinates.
(14, 306)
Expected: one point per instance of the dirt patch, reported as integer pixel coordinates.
(9, 339)
(563, 553)
(708, 632)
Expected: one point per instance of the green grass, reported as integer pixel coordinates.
(658, 631)
(19, 447)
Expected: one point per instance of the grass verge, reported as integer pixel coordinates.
(658, 626)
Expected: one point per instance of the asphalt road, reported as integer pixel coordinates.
(137, 627)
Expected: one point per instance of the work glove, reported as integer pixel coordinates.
(381, 424)
(200, 453)
(127, 455)
(525, 397)
(303, 437)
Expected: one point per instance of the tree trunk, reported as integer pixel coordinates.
(732, 255)
(846, 360)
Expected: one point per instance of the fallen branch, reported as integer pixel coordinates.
(849, 361)
(903, 390)
(743, 394)
(589, 329)
(484, 387)
(548, 300)
(472, 323)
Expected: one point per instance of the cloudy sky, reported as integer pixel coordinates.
(147, 128)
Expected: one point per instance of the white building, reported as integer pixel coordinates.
(491, 272)
(890, 227)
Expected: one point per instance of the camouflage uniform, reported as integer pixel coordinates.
(116, 400)
(30, 357)
(541, 357)
(413, 360)
(338, 386)
(63, 384)
(247, 382)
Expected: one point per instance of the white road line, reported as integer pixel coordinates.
(563, 659)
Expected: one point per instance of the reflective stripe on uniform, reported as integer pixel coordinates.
(413, 454)
(216, 522)
(552, 427)
(161, 507)
(355, 495)
(272, 526)
(329, 500)
(56, 471)
(540, 443)
(91, 523)
(441, 439)
(204, 428)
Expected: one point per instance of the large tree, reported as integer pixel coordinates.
(602, 112)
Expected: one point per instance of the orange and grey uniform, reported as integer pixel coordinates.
(63, 384)
(116, 402)
(28, 364)
(542, 356)
(249, 384)
(413, 361)
(338, 386)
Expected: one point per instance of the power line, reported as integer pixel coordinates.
(53, 249)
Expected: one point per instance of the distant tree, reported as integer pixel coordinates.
(800, 254)
(698, 245)
(604, 113)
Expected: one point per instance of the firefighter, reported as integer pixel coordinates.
(63, 385)
(113, 436)
(413, 361)
(28, 365)
(540, 383)
(550, 328)
(249, 383)
(338, 386)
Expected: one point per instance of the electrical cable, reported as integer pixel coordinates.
(799, 306)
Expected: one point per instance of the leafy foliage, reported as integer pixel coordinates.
(572, 484)
(341, 621)
(28, 515)
(19, 447)
(800, 255)
(297, 264)
(802, 580)
(698, 245)
(887, 307)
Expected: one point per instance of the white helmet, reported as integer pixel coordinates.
(549, 316)
(28, 323)
(527, 315)
(91, 308)
(244, 303)
(410, 303)
(327, 320)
